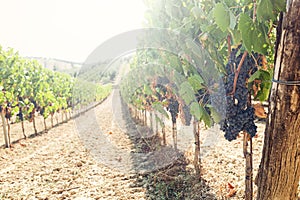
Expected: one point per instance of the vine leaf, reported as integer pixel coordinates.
(264, 84)
(205, 117)
(222, 16)
(158, 107)
(253, 35)
(196, 82)
(279, 5)
(232, 20)
(265, 10)
(197, 12)
(147, 90)
(186, 92)
(196, 110)
(214, 114)
(200, 113)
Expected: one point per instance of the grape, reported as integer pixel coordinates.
(8, 110)
(173, 108)
(162, 80)
(20, 115)
(34, 103)
(42, 111)
(239, 115)
(185, 115)
(30, 115)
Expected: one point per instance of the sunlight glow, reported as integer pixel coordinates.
(65, 29)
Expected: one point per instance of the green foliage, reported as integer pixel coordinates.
(196, 82)
(265, 83)
(204, 30)
(26, 86)
(222, 17)
(265, 10)
(254, 35)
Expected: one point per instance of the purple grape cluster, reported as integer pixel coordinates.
(185, 115)
(239, 112)
(173, 108)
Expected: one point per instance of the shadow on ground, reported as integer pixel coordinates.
(161, 170)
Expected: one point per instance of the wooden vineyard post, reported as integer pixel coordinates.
(8, 130)
(163, 132)
(52, 125)
(279, 170)
(45, 125)
(7, 144)
(174, 134)
(196, 129)
(23, 129)
(156, 123)
(33, 121)
(66, 116)
(56, 117)
(151, 121)
(247, 142)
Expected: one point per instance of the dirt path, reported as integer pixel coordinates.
(55, 165)
(107, 160)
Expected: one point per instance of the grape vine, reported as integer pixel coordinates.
(28, 90)
(239, 112)
(214, 74)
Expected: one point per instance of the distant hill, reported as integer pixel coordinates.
(59, 65)
(102, 72)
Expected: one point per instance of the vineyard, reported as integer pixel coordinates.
(206, 108)
(29, 90)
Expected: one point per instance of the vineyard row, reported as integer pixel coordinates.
(28, 90)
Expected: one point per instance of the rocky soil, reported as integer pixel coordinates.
(103, 154)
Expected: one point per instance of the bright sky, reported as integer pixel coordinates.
(65, 29)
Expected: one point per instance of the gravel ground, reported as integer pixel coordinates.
(94, 157)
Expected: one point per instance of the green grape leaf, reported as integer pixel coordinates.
(221, 16)
(265, 85)
(205, 117)
(196, 82)
(246, 26)
(147, 90)
(265, 10)
(263, 93)
(254, 76)
(195, 110)
(158, 107)
(214, 114)
(186, 92)
(236, 36)
(14, 110)
(22, 104)
(8, 96)
(253, 36)
(193, 47)
(175, 63)
(160, 121)
(279, 5)
(232, 21)
(260, 74)
(197, 12)
(1, 98)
